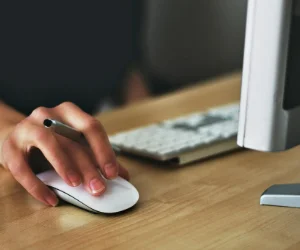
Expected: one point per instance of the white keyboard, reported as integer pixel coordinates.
(184, 139)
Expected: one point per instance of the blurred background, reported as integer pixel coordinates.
(183, 42)
(112, 53)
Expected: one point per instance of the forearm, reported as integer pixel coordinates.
(9, 117)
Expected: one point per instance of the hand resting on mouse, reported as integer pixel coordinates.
(75, 164)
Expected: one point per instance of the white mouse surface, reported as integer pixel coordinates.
(119, 195)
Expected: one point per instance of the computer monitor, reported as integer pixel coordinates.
(270, 95)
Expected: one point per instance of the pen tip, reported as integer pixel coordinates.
(47, 123)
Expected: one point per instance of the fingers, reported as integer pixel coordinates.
(95, 135)
(15, 161)
(84, 161)
(75, 117)
(28, 135)
(41, 113)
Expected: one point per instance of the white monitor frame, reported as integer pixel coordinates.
(264, 125)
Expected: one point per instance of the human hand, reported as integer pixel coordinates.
(74, 162)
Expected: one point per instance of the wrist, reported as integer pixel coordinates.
(8, 120)
(4, 133)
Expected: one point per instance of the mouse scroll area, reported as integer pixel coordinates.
(119, 195)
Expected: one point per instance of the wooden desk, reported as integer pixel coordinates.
(209, 205)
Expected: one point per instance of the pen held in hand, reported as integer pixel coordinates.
(69, 132)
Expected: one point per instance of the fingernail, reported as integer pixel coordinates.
(96, 186)
(51, 199)
(111, 170)
(74, 178)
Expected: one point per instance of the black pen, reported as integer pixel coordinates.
(69, 132)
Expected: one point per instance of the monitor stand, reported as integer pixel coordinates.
(283, 195)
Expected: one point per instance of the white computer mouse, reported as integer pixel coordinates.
(119, 195)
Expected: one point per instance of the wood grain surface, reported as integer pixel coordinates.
(213, 204)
